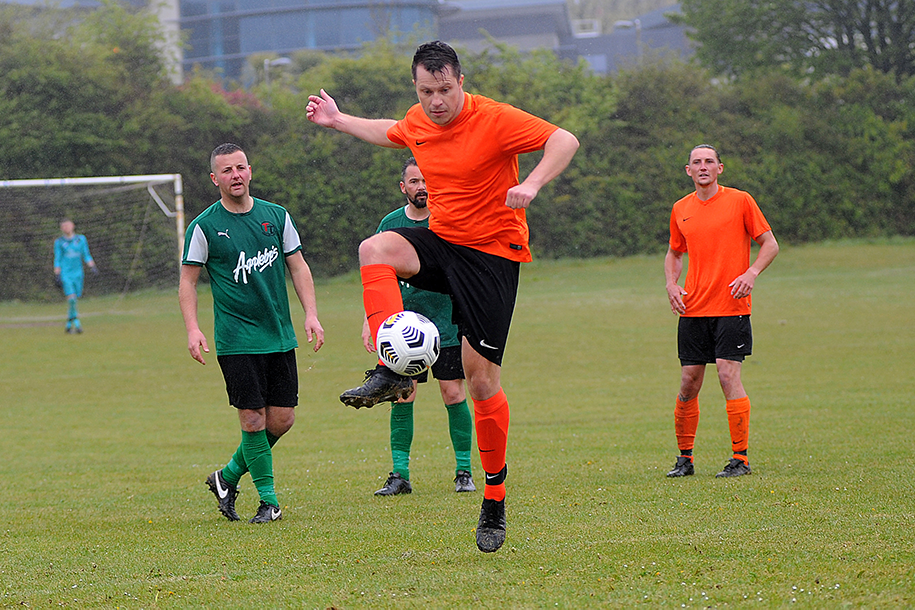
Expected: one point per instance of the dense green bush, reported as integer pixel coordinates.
(825, 159)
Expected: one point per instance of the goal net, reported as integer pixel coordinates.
(134, 226)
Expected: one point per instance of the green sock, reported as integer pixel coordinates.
(460, 425)
(259, 459)
(237, 467)
(401, 437)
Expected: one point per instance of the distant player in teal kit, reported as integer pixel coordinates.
(71, 250)
(448, 369)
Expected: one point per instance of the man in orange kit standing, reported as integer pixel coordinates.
(714, 227)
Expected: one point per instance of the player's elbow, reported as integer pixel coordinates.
(565, 141)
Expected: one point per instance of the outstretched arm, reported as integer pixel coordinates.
(187, 300)
(322, 110)
(304, 286)
(557, 154)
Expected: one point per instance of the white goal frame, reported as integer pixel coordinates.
(151, 180)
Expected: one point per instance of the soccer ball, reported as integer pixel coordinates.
(408, 343)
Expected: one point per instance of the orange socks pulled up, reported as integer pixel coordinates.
(491, 420)
(686, 421)
(380, 294)
(739, 423)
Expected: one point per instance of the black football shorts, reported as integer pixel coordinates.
(704, 340)
(483, 288)
(447, 367)
(255, 381)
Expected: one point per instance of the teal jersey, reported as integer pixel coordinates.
(245, 255)
(434, 305)
(70, 254)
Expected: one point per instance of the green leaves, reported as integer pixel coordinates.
(816, 39)
(825, 157)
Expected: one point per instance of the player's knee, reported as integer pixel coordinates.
(689, 387)
(729, 379)
(376, 249)
(452, 395)
(368, 252)
(389, 248)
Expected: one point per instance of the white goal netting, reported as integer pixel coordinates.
(134, 226)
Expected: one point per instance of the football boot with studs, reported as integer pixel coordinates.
(735, 468)
(266, 513)
(395, 485)
(381, 384)
(683, 467)
(225, 495)
(491, 527)
(463, 482)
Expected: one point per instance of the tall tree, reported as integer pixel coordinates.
(817, 37)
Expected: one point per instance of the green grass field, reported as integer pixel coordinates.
(108, 436)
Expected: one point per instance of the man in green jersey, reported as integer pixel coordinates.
(244, 242)
(447, 369)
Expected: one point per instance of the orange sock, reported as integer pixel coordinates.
(491, 419)
(380, 294)
(739, 423)
(686, 421)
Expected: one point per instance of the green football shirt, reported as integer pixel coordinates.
(245, 256)
(434, 305)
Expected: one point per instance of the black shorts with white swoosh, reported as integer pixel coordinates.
(702, 340)
(483, 288)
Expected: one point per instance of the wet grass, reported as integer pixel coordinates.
(107, 438)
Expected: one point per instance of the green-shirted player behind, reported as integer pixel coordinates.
(448, 369)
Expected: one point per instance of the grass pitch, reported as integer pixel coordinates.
(108, 436)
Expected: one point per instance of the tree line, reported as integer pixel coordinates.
(826, 158)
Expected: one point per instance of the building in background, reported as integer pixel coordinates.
(524, 24)
(222, 35)
(631, 40)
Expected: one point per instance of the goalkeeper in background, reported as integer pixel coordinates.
(447, 369)
(71, 250)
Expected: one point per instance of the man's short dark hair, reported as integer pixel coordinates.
(224, 149)
(434, 57)
(698, 146)
(410, 162)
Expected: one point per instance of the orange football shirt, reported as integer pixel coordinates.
(716, 236)
(469, 165)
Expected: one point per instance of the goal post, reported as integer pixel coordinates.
(134, 224)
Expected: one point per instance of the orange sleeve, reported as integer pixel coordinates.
(469, 165)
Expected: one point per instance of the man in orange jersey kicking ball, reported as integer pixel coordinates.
(714, 226)
(467, 147)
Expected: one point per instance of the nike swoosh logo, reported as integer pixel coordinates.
(741, 345)
(487, 346)
(222, 491)
(687, 218)
(274, 514)
(418, 143)
(492, 477)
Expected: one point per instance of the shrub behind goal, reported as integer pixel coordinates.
(134, 225)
